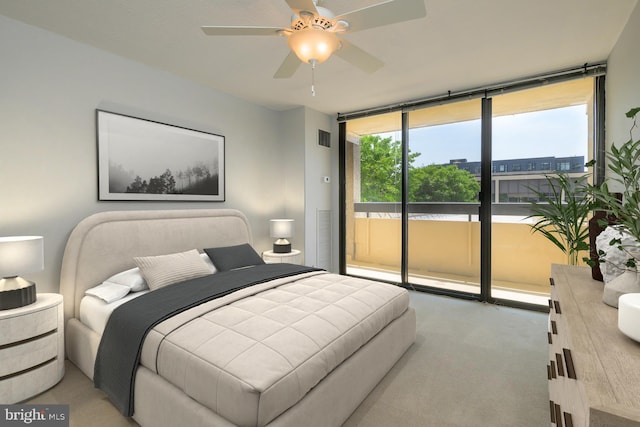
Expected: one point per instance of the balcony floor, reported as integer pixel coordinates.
(522, 292)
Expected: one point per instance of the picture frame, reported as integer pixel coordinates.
(140, 159)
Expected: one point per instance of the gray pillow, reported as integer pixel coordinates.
(233, 257)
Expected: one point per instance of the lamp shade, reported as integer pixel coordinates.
(313, 44)
(281, 228)
(21, 254)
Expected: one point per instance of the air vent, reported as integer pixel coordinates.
(324, 138)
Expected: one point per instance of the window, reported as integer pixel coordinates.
(387, 223)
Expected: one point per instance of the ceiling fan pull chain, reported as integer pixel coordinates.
(313, 77)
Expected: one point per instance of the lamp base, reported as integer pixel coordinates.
(284, 248)
(17, 297)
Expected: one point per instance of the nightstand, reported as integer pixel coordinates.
(31, 348)
(293, 257)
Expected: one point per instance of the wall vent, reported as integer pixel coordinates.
(324, 138)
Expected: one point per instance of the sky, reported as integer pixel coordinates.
(148, 149)
(560, 132)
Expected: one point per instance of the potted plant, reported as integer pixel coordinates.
(623, 163)
(563, 213)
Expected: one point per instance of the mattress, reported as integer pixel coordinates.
(251, 359)
(94, 312)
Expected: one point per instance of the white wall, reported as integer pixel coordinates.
(623, 81)
(319, 163)
(50, 87)
(292, 166)
(305, 164)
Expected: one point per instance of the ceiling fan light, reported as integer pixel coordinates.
(313, 44)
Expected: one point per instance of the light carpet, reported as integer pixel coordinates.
(472, 364)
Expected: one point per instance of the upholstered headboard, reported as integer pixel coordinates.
(105, 243)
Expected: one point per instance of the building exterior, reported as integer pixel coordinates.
(514, 179)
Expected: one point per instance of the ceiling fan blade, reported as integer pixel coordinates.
(241, 31)
(306, 5)
(358, 57)
(288, 67)
(388, 12)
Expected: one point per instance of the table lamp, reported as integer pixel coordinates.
(19, 255)
(281, 229)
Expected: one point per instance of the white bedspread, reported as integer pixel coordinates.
(250, 359)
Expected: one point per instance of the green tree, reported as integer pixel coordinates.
(381, 172)
(381, 169)
(438, 183)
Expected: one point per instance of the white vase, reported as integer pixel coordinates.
(629, 315)
(627, 282)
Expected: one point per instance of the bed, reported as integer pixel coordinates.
(303, 348)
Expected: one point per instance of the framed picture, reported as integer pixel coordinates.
(141, 159)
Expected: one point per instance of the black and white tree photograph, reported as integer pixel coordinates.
(145, 160)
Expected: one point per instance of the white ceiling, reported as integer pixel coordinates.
(460, 44)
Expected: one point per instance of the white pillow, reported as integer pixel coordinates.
(108, 292)
(131, 278)
(206, 259)
(163, 270)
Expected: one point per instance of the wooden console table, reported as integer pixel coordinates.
(594, 369)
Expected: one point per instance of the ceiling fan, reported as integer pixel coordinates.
(313, 34)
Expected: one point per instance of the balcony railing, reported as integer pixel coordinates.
(450, 208)
(444, 243)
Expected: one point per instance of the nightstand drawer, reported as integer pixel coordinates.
(31, 348)
(28, 384)
(20, 357)
(14, 329)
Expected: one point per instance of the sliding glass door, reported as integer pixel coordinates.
(537, 133)
(414, 213)
(373, 162)
(443, 224)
